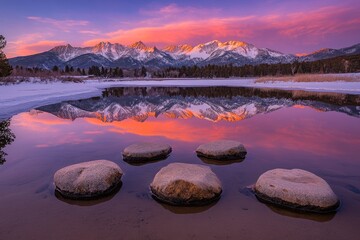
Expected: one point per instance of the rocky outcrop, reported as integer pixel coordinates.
(88, 179)
(142, 152)
(296, 189)
(186, 184)
(222, 150)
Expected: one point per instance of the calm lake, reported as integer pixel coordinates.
(317, 132)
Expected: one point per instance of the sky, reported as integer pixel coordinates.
(287, 26)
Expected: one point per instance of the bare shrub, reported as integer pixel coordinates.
(311, 78)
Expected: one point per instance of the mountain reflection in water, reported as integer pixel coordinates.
(209, 103)
(292, 135)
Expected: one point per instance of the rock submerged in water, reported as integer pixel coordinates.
(186, 184)
(88, 179)
(222, 150)
(297, 189)
(142, 152)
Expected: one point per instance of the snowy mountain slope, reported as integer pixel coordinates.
(138, 54)
(329, 53)
(88, 59)
(68, 52)
(45, 60)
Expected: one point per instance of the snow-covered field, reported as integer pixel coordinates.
(25, 96)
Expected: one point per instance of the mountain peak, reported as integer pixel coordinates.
(236, 43)
(62, 47)
(152, 49)
(139, 45)
(323, 50)
(213, 42)
(103, 43)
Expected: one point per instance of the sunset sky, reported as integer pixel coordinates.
(284, 25)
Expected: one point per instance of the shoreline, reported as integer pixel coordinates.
(15, 98)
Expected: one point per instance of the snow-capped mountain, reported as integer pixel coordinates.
(207, 103)
(106, 54)
(329, 53)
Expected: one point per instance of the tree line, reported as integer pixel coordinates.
(344, 64)
(97, 71)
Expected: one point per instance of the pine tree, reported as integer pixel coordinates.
(55, 68)
(143, 71)
(121, 73)
(67, 69)
(5, 67)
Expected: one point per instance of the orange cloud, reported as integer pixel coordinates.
(310, 26)
(179, 32)
(33, 48)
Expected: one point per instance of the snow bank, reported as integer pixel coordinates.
(339, 87)
(25, 96)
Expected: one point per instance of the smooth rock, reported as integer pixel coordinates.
(223, 149)
(297, 189)
(146, 151)
(88, 179)
(186, 184)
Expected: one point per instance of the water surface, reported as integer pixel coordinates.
(317, 132)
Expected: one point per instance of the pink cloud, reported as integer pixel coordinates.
(175, 33)
(33, 48)
(90, 32)
(30, 44)
(64, 25)
(176, 12)
(327, 20)
(311, 27)
(169, 9)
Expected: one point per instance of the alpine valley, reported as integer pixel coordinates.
(106, 54)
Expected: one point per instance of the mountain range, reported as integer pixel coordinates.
(106, 54)
(207, 103)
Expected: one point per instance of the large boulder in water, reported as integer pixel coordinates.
(222, 150)
(186, 184)
(142, 152)
(297, 189)
(88, 179)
